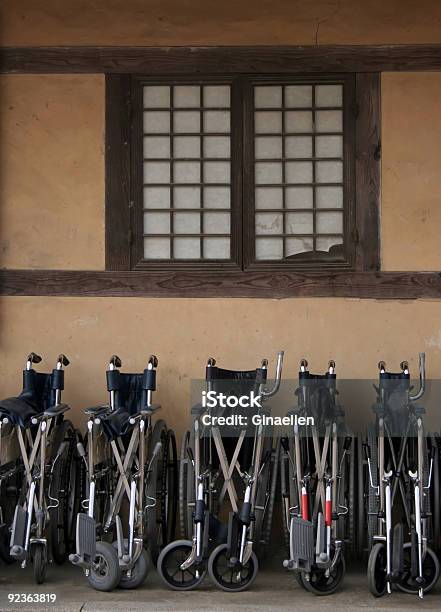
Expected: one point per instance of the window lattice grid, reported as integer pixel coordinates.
(298, 169)
(187, 172)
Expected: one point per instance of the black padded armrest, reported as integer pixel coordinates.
(97, 410)
(56, 410)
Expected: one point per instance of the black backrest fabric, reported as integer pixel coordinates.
(131, 389)
(319, 391)
(39, 388)
(242, 381)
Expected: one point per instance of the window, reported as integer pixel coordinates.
(247, 173)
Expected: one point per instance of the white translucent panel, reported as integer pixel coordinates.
(216, 197)
(217, 172)
(329, 146)
(324, 244)
(156, 146)
(329, 172)
(268, 173)
(217, 146)
(156, 248)
(268, 147)
(269, 223)
(156, 223)
(329, 95)
(268, 96)
(156, 96)
(295, 246)
(156, 122)
(329, 223)
(267, 122)
(217, 121)
(186, 248)
(298, 146)
(269, 248)
(156, 172)
(186, 197)
(217, 96)
(298, 121)
(268, 197)
(329, 121)
(187, 121)
(298, 197)
(186, 172)
(298, 172)
(299, 223)
(186, 95)
(329, 197)
(186, 146)
(216, 248)
(298, 96)
(186, 223)
(216, 223)
(156, 197)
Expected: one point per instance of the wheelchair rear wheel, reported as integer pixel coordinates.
(169, 567)
(186, 489)
(226, 575)
(431, 571)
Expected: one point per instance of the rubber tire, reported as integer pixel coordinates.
(372, 569)
(362, 480)
(216, 553)
(113, 576)
(139, 573)
(268, 518)
(39, 562)
(373, 501)
(186, 471)
(161, 559)
(430, 586)
(329, 590)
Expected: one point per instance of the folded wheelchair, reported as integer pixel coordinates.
(402, 509)
(227, 487)
(317, 484)
(38, 470)
(130, 503)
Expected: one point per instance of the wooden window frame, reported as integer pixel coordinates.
(124, 221)
(367, 281)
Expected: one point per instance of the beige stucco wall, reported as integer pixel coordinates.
(209, 22)
(52, 171)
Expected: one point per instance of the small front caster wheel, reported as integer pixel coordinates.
(430, 571)
(169, 567)
(377, 570)
(320, 583)
(39, 562)
(138, 572)
(105, 573)
(227, 575)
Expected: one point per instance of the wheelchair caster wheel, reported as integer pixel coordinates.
(431, 570)
(377, 572)
(169, 563)
(105, 573)
(226, 575)
(39, 562)
(138, 572)
(321, 584)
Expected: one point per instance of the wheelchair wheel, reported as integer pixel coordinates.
(169, 567)
(161, 487)
(64, 486)
(105, 573)
(137, 575)
(431, 571)
(265, 495)
(377, 570)
(268, 517)
(9, 493)
(39, 562)
(226, 576)
(362, 484)
(321, 584)
(435, 493)
(373, 502)
(186, 489)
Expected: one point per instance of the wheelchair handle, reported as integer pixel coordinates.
(211, 362)
(422, 368)
(331, 366)
(382, 366)
(303, 365)
(32, 358)
(273, 391)
(62, 361)
(115, 362)
(152, 363)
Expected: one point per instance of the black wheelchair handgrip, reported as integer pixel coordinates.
(113, 380)
(34, 358)
(57, 380)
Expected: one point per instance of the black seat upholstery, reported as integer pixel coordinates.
(19, 411)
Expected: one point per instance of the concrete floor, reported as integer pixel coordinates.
(273, 590)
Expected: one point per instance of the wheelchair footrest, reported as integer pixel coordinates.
(18, 533)
(86, 541)
(302, 544)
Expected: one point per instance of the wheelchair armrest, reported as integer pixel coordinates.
(56, 410)
(97, 410)
(153, 408)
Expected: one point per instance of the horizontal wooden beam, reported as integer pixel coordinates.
(178, 60)
(374, 285)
